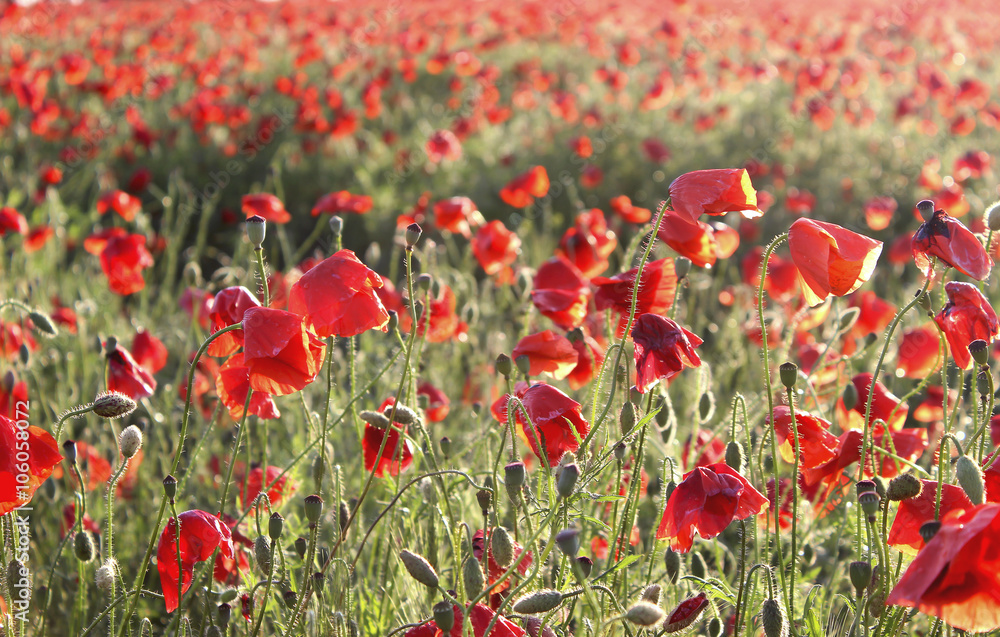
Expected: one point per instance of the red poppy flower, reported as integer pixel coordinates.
(817, 445)
(69, 521)
(11, 393)
(590, 355)
(267, 206)
(714, 192)
(283, 355)
(127, 376)
(561, 293)
(63, 316)
(662, 350)
(966, 317)
(830, 259)
(696, 241)
(12, 221)
(971, 165)
(495, 247)
(948, 239)
(917, 355)
(123, 259)
(232, 384)
(336, 203)
(782, 279)
(548, 353)
(799, 202)
(438, 404)
(883, 405)
(591, 176)
(456, 215)
(956, 576)
(622, 206)
(522, 191)
(480, 617)
(227, 308)
(555, 419)
(149, 351)
(875, 315)
(913, 512)
(686, 613)
(197, 304)
(398, 452)
(878, 212)
(337, 297)
(122, 203)
(278, 488)
(657, 288)
(28, 445)
(494, 571)
(12, 337)
(93, 466)
(200, 534)
(443, 145)
(440, 317)
(908, 444)
(707, 500)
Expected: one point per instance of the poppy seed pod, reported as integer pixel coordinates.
(585, 565)
(502, 547)
(170, 487)
(926, 209)
(393, 323)
(472, 577)
(419, 568)
(413, 232)
(864, 486)
(523, 363)
(861, 576)
(514, 475)
(484, 497)
(444, 616)
(538, 602)
(672, 562)
(568, 541)
(336, 225)
(225, 612)
(904, 487)
(504, 365)
(130, 441)
(644, 614)
(970, 477)
(980, 351)
(772, 616)
(301, 544)
(275, 525)
(256, 230)
(869, 501)
(113, 404)
(313, 508)
(290, 598)
(445, 445)
(788, 372)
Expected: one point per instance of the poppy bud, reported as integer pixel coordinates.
(170, 487)
(789, 373)
(672, 561)
(275, 525)
(24, 354)
(627, 418)
(619, 451)
(423, 282)
(926, 209)
(484, 498)
(566, 480)
(861, 576)
(444, 616)
(734, 456)
(374, 418)
(256, 229)
(301, 545)
(225, 612)
(585, 564)
(69, 451)
(18, 580)
(698, 566)
(404, 415)
(538, 602)
(104, 577)
(706, 406)
(715, 627)
(419, 568)
(644, 614)
(8, 381)
(929, 529)
(393, 323)
(336, 225)
(568, 541)
(343, 515)
(772, 616)
(502, 546)
(682, 266)
(413, 232)
(503, 365)
(523, 363)
(262, 553)
(686, 613)
(130, 441)
(849, 318)
(970, 477)
(671, 485)
(980, 350)
(850, 396)
(113, 404)
(472, 577)
(993, 217)
(445, 445)
(651, 594)
(83, 546)
(904, 487)
(634, 395)
(43, 323)
(925, 302)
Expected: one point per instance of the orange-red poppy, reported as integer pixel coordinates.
(622, 206)
(123, 259)
(830, 259)
(121, 202)
(125, 375)
(782, 281)
(548, 353)
(946, 238)
(12, 221)
(913, 512)
(337, 297)
(493, 570)
(555, 420)
(588, 243)
(878, 212)
(561, 293)
(917, 355)
(662, 350)
(886, 406)
(701, 242)
(714, 192)
(149, 351)
(267, 206)
(279, 488)
(480, 617)
(201, 533)
(23, 445)
(968, 316)
(232, 384)
(339, 202)
(438, 404)
(227, 308)
(495, 247)
(456, 215)
(590, 357)
(657, 288)
(282, 354)
(817, 445)
(397, 453)
(522, 191)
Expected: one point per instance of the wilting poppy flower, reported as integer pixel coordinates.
(588, 243)
(956, 576)
(267, 206)
(561, 293)
(342, 201)
(438, 403)
(707, 500)
(232, 384)
(522, 191)
(121, 202)
(713, 192)
(917, 355)
(657, 288)
(149, 351)
(948, 239)
(913, 512)
(817, 445)
(282, 354)
(12, 221)
(966, 317)
(398, 452)
(878, 212)
(123, 259)
(590, 357)
(555, 418)
(480, 617)
(127, 376)
(830, 259)
(337, 297)
(495, 247)
(662, 350)
(494, 571)
(201, 533)
(227, 308)
(456, 215)
(622, 206)
(548, 353)
(28, 445)
(279, 488)
(686, 613)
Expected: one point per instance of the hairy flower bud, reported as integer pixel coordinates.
(419, 568)
(734, 455)
(772, 616)
(113, 404)
(970, 477)
(538, 602)
(83, 546)
(130, 441)
(262, 553)
(43, 322)
(904, 487)
(502, 546)
(644, 614)
(472, 577)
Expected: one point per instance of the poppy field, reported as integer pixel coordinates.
(499, 319)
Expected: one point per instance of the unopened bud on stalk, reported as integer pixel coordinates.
(698, 566)
(472, 577)
(83, 546)
(644, 614)
(789, 373)
(404, 415)
(444, 617)
(993, 217)
(734, 455)
(924, 300)
(69, 451)
(43, 322)
(772, 616)
(113, 404)
(262, 553)
(983, 383)
(619, 451)
(24, 354)
(850, 396)
(904, 487)
(256, 230)
(715, 627)
(130, 441)
(651, 594)
(861, 576)
(627, 418)
(374, 418)
(419, 568)
(301, 545)
(970, 477)
(104, 577)
(586, 565)
(413, 232)
(566, 480)
(19, 580)
(538, 602)
(672, 562)
(501, 546)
